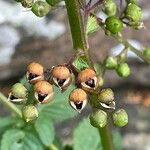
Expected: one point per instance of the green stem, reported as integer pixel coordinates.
(131, 47)
(76, 25)
(106, 138)
(79, 38)
(125, 42)
(10, 105)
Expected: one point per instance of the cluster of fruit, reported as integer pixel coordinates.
(39, 7)
(130, 16)
(86, 81)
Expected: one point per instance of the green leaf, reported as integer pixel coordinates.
(92, 25)
(23, 80)
(80, 63)
(8, 122)
(45, 129)
(59, 109)
(10, 138)
(86, 137)
(17, 139)
(31, 140)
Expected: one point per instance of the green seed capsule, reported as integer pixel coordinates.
(106, 98)
(18, 94)
(123, 70)
(27, 3)
(113, 24)
(110, 8)
(29, 113)
(98, 118)
(111, 62)
(146, 52)
(133, 12)
(40, 8)
(19, 91)
(106, 95)
(120, 118)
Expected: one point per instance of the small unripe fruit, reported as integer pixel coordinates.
(133, 12)
(98, 118)
(106, 98)
(43, 92)
(18, 94)
(27, 3)
(120, 118)
(61, 76)
(35, 72)
(29, 113)
(113, 24)
(78, 99)
(88, 80)
(123, 70)
(110, 8)
(146, 52)
(40, 8)
(106, 95)
(111, 62)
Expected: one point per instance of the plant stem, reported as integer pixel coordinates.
(106, 138)
(76, 25)
(10, 105)
(79, 38)
(125, 42)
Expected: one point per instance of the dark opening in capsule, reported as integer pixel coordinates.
(41, 97)
(32, 76)
(90, 83)
(79, 105)
(61, 82)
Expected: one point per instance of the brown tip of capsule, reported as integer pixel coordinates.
(86, 74)
(78, 95)
(43, 87)
(61, 72)
(43, 92)
(35, 68)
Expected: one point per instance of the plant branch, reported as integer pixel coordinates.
(106, 137)
(10, 105)
(76, 25)
(79, 38)
(125, 42)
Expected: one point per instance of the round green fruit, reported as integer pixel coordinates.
(111, 62)
(123, 70)
(133, 12)
(120, 118)
(110, 8)
(98, 118)
(113, 24)
(19, 91)
(40, 8)
(29, 113)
